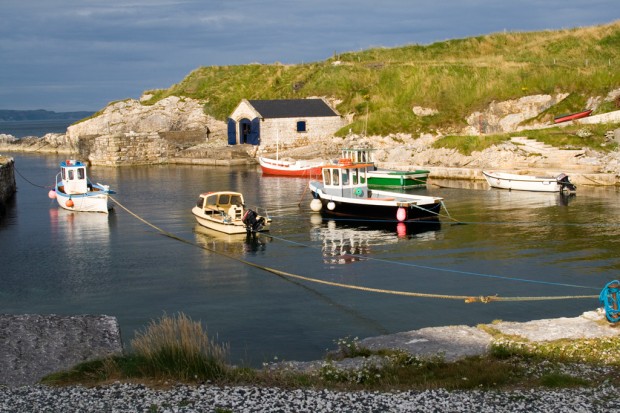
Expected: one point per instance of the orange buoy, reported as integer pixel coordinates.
(69, 203)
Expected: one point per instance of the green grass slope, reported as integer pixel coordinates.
(455, 77)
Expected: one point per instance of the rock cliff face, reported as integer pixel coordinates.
(132, 117)
(130, 133)
(507, 116)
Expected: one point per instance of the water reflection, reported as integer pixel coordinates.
(81, 244)
(348, 241)
(232, 244)
(525, 199)
(80, 227)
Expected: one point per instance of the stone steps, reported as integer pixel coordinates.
(555, 158)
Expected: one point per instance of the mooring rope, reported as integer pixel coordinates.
(465, 298)
(460, 272)
(31, 183)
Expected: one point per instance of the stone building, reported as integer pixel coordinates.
(289, 121)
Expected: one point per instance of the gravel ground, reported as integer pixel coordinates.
(137, 398)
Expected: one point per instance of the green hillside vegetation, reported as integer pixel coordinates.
(455, 77)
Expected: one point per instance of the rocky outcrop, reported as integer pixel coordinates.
(172, 114)
(131, 133)
(507, 116)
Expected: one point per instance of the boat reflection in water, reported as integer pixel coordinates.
(523, 199)
(233, 244)
(347, 241)
(81, 228)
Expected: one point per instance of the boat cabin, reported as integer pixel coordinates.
(74, 178)
(222, 203)
(359, 154)
(346, 179)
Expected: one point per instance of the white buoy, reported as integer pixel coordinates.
(331, 206)
(316, 205)
(51, 194)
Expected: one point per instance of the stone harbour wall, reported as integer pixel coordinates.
(7, 181)
(33, 345)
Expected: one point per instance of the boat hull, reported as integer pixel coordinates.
(282, 168)
(383, 205)
(572, 116)
(385, 213)
(522, 182)
(397, 179)
(89, 202)
(221, 225)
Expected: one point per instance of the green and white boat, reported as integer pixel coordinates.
(386, 178)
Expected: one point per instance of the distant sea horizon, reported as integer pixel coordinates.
(38, 128)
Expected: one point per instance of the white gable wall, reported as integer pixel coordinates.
(316, 127)
(286, 128)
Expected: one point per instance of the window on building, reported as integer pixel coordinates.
(301, 126)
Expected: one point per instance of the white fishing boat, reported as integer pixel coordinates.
(74, 190)
(518, 182)
(344, 192)
(225, 211)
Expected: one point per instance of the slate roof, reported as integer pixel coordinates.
(292, 108)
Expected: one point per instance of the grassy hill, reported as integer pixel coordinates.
(455, 77)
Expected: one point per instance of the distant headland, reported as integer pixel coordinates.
(41, 114)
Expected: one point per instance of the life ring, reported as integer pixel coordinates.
(359, 192)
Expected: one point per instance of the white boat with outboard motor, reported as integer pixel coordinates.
(344, 192)
(503, 180)
(74, 190)
(225, 211)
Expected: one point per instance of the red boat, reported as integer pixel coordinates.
(286, 168)
(572, 116)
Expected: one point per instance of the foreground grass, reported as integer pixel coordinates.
(177, 350)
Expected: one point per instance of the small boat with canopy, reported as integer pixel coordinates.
(225, 211)
(74, 190)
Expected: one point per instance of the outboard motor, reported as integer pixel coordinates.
(565, 184)
(252, 222)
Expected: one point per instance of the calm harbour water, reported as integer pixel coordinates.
(509, 243)
(20, 129)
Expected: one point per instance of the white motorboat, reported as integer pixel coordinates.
(225, 211)
(518, 182)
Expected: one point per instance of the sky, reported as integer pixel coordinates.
(73, 55)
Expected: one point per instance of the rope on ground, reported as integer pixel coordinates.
(466, 299)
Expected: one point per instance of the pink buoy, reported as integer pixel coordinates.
(51, 194)
(401, 214)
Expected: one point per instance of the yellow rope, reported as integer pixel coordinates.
(465, 298)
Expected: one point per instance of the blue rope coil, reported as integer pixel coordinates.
(610, 297)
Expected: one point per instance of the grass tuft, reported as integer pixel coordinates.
(178, 347)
